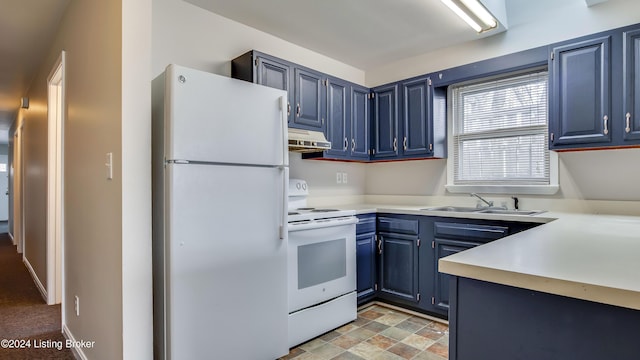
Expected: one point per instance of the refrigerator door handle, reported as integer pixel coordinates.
(285, 133)
(285, 198)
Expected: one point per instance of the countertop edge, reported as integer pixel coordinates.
(590, 292)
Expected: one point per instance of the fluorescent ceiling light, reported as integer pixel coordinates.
(473, 13)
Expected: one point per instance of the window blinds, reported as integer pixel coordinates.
(500, 134)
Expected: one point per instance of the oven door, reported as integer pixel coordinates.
(321, 262)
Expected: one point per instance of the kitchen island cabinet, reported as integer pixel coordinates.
(559, 286)
(499, 322)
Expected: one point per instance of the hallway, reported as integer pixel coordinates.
(24, 314)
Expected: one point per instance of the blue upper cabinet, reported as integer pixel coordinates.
(347, 121)
(338, 118)
(305, 87)
(580, 98)
(309, 100)
(384, 135)
(593, 99)
(417, 134)
(265, 70)
(360, 123)
(631, 86)
(409, 120)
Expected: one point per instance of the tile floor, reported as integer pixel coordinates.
(379, 333)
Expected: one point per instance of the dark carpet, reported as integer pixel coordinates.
(25, 319)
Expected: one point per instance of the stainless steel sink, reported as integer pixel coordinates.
(511, 212)
(483, 210)
(453, 209)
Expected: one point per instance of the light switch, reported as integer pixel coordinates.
(344, 178)
(338, 178)
(109, 165)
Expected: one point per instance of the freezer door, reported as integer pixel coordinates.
(225, 263)
(214, 118)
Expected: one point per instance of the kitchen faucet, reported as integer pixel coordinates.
(489, 203)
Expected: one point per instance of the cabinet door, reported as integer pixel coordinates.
(366, 269)
(359, 122)
(385, 122)
(338, 125)
(631, 86)
(399, 267)
(444, 248)
(308, 100)
(274, 74)
(417, 138)
(580, 94)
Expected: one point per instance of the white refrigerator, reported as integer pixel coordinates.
(220, 178)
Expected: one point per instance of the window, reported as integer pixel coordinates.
(500, 132)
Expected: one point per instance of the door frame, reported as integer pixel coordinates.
(55, 177)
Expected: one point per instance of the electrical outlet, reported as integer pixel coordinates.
(76, 305)
(344, 178)
(338, 178)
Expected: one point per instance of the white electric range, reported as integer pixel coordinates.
(321, 267)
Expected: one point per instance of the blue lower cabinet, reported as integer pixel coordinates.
(399, 267)
(499, 322)
(366, 255)
(444, 248)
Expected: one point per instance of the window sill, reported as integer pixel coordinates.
(505, 189)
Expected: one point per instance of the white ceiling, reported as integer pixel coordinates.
(361, 33)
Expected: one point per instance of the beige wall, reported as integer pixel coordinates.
(91, 34)
(34, 157)
(107, 93)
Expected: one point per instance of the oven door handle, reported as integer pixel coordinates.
(312, 225)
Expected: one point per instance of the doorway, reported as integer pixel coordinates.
(55, 229)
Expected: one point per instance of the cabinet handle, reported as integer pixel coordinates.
(353, 144)
(288, 108)
(395, 144)
(404, 144)
(552, 137)
(380, 245)
(298, 110)
(628, 128)
(346, 144)
(606, 124)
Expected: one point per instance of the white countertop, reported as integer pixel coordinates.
(590, 257)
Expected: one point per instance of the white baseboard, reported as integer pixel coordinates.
(41, 288)
(13, 240)
(77, 351)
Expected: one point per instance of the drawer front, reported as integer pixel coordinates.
(398, 226)
(475, 232)
(366, 224)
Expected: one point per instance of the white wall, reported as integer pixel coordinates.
(535, 23)
(187, 35)
(136, 275)
(191, 36)
(592, 175)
